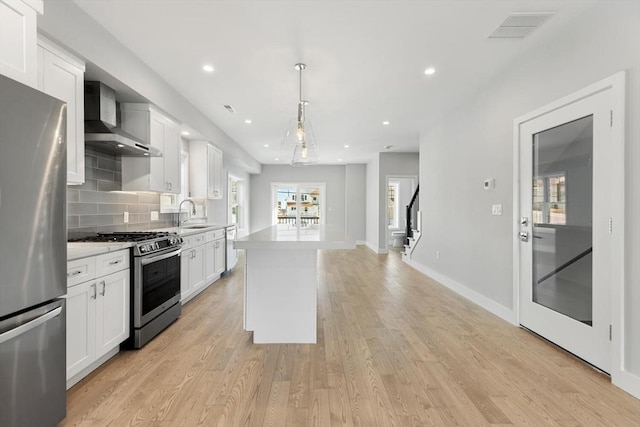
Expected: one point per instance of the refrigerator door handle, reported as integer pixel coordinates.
(29, 325)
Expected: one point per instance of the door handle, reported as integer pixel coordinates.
(95, 291)
(104, 288)
(524, 236)
(22, 329)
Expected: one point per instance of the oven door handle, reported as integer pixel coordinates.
(145, 261)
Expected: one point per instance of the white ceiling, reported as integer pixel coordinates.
(365, 62)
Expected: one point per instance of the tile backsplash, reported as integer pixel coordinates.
(97, 206)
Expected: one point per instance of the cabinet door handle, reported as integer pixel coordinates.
(104, 288)
(74, 273)
(115, 262)
(95, 291)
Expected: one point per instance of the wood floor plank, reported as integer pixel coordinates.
(395, 348)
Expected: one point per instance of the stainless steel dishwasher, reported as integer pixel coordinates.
(231, 255)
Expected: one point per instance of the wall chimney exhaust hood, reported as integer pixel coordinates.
(100, 124)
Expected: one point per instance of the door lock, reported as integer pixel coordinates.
(524, 236)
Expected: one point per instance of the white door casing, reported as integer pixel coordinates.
(604, 99)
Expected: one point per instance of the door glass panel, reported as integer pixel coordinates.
(286, 209)
(562, 198)
(309, 206)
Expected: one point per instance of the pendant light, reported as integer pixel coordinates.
(299, 135)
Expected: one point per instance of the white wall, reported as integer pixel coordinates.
(260, 196)
(218, 210)
(475, 142)
(355, 201)
(66, 23)
(372, 203)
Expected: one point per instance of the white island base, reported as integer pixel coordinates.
(281, 284)
(281, 295)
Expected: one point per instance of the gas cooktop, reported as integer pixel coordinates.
(126, 236)
(145, 242)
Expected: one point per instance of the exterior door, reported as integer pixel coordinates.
(298, 204)
(565, 264)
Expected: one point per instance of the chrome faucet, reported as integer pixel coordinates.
(193, 211)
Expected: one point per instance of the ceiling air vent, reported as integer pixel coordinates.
(229, 108)
(519, 25)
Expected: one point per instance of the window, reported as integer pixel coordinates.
(392, 204)
(236, 202)
(550, 199)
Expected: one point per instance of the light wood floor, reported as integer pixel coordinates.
(394, 349)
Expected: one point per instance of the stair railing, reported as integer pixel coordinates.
(412, 212)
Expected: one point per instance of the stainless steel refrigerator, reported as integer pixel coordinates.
(33, 256)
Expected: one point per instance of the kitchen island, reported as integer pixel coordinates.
(281, 283)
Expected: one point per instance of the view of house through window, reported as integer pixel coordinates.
(298, 204)
(549, 199)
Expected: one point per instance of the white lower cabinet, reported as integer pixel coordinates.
(192, 274)
(97, 312)
(215, 255)
(203, 259)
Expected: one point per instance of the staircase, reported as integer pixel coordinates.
(414, 225)
(411, 242)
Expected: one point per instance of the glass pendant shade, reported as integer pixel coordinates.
(298, 131)
(299, 134)
(304, 154)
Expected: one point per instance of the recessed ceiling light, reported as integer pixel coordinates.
(276, 159)
(185, 132)
(385, 123)
(339, 160)
(429, 71)
(248, 121)
(208, 68)
(120, 145)
(146, 154)
(266, 145)
(346, 146)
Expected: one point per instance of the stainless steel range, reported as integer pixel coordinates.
(155, 278)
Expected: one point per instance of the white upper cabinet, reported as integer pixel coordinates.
(160, 174)
(61, 75)
(18, 40)
(206, 176)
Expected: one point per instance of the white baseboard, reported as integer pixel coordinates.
(473, 296)
(361, 242)
(627, 381)
(376, 250)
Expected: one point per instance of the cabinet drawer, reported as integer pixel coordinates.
(80, 270)
(215, 235)
(111, 262)
(193, 240)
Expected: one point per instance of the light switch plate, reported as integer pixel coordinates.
(126, 217)
(154, 215)
(496, 210)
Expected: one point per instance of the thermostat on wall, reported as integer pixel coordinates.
(489, 184)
